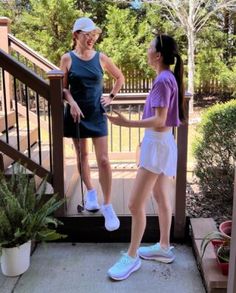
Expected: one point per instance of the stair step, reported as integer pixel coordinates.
(11, 120)
(6, 161)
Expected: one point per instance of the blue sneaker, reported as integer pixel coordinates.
(156, 252)
(125, 266)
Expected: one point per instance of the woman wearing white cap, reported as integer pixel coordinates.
(83, 85)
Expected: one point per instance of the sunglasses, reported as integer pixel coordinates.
(90, 35)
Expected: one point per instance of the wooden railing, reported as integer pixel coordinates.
(23, 51)
(52, 93)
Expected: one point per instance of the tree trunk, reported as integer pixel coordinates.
(226, 30)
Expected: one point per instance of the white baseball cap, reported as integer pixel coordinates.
(85, 24)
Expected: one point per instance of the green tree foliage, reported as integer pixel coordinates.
(215, 150)
(121, 39)
(13, 9)
(96, 8)
(212, 62)
(128, 33)
(46, 27)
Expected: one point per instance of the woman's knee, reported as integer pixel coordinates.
(84, 155)
(103, 161)
(135, 208)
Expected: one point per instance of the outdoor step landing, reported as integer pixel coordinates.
(214, 280)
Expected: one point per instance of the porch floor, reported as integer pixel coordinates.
(82, 267)
(123, 176)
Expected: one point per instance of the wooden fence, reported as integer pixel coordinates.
(137, 82)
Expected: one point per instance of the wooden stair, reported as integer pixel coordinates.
(11, 120)
(6, 161)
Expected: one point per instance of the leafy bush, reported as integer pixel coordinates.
(215, 150)
(25, 215)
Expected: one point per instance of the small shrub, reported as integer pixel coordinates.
(24, 213)
(215, 150)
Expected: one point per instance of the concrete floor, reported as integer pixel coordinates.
(81, 268)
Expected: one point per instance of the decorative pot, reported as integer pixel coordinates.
(16, 260)
(224, 266)
(225, 227)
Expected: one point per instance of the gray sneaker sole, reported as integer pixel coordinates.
(93, 209)
(158, 258)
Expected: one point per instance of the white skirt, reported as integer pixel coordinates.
(158, 152)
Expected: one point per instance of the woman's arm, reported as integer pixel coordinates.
(74, 110)
(116, 73)
(156, 121)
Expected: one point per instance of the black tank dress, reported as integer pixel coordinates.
(86, 84)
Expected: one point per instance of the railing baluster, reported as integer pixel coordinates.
(120, 134)
(27, 120)
(16, 115)
(50, 135)
(129, 129)
(139, 117)
(5, 105)
(39, 128)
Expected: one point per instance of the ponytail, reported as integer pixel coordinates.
(73, 43)
(178, 73)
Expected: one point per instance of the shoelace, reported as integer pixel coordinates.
(125, 259)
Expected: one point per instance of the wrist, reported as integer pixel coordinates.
(112, 96)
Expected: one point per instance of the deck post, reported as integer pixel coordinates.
(181, 178)
(232, 262)
(4, 45)
(56, 103)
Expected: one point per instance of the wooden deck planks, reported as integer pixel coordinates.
(122, 183)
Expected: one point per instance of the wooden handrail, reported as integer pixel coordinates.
(25, 75)
(30, 54)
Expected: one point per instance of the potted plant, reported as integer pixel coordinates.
(221, 244)
(25, 216)
(225, 227)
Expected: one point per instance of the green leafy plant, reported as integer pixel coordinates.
(223, 247)
(215, 151)
(25, 214)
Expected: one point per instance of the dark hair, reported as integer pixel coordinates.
(74, 40)
(168, 48)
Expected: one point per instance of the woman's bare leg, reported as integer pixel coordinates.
(142, 187)
(104, 167)
(161, 193)
(82, 146)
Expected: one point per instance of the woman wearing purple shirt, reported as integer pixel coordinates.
(164, 109)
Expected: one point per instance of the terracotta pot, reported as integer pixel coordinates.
(224, 266)
(225, 227)
(16, 260)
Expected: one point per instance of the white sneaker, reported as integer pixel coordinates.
(91, 203)
(111, 221)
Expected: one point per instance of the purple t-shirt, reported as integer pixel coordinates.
(164, 94)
